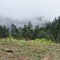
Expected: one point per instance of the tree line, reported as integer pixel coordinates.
(51, 30)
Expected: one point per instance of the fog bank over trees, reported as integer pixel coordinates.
(18, 22)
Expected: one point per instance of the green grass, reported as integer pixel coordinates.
(39, 49)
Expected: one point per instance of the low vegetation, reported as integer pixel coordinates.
(39, 49)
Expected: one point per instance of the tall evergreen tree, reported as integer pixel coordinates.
(14, 31)
(1, 31)
(5, 32)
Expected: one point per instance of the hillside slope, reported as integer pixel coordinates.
(11, 49)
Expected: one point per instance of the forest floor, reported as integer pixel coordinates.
(40, 49)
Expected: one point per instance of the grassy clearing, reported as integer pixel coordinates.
(39, 49)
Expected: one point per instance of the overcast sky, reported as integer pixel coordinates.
(22, 9)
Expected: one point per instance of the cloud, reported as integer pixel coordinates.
(22, 9)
